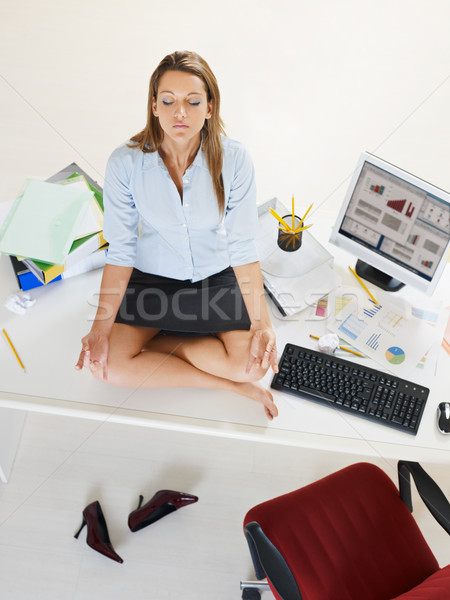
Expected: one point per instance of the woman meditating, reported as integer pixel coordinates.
(182, 301)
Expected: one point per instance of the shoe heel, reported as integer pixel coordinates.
(79, 531)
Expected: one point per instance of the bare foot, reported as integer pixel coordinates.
(256, 391)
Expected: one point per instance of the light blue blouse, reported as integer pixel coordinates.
(149, 227)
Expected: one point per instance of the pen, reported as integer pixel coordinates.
(13, 349)
(341, 347)
(362, 283)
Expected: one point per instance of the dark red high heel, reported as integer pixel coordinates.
(97, 533)
(163, 503)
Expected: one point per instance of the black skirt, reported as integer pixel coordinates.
(211, 305)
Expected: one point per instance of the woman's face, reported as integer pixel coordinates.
(181, 105)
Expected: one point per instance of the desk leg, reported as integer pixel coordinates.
(11, 425)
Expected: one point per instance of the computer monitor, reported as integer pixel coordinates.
(395, 224)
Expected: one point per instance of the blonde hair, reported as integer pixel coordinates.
(151, 137)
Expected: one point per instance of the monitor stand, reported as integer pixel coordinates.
(377, 277)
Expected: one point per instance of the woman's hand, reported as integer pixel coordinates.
(94, 353)
(263, 350)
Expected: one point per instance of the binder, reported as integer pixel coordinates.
(27, 280)
(47, 272)
(85, 253)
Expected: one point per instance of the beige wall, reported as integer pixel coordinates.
(306, 85)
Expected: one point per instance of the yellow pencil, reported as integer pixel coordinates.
(302, 220)
(362, 283)
(297, 230)
(13, 349)
(306, 214)
(282, 221)
(341, 347)
(293, 213)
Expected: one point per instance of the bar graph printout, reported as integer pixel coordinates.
(397, 340)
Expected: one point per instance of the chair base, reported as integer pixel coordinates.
(251, 590)
(251, 594)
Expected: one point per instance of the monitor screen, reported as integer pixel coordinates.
(396, 223)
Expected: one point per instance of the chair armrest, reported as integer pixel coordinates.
(429, 491)
(268, 561)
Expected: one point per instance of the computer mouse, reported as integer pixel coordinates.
(443, 417)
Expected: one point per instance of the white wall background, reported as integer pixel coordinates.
(306, 85)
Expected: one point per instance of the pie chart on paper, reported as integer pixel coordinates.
(395, 355)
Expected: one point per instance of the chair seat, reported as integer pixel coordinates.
(435, 587)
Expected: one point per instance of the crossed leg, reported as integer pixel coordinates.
(224, 354)
(139, 358)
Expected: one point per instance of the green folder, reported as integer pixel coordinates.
(43, 221)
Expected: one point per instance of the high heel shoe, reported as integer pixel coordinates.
(163, 503)
(97, 532)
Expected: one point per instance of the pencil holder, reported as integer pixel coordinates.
(289, 241)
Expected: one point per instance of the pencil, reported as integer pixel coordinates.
(293, 213)
(282, 221)
(362, 283)
(306, 214)
(13, 349)
(297, 230)
(341, 347)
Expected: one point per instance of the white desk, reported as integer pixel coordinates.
(48, 341)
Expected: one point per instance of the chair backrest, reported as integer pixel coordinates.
(347, 536)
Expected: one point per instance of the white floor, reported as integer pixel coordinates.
(197, 552)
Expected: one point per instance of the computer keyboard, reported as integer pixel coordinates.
(352, 388)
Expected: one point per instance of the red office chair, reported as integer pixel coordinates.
(349, 536)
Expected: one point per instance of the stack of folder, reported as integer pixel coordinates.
(54, 229)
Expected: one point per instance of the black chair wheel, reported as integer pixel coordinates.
(251, 594)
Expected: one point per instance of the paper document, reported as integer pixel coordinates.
(386, 332)
(328, 307)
